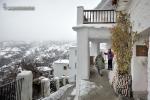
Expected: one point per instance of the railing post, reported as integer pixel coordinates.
(149, 71)
(57, 83)
(26, 91)
(80, 15)
(96, 16)
(45, 87)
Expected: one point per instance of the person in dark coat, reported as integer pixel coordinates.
(100, 63)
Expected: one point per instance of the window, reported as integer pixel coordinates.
(75, 52)
(65, 67)
(75, 65)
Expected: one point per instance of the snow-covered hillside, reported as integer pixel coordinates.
(44, 52)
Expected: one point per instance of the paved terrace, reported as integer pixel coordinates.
(103, 90)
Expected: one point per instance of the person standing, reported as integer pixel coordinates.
(110, 58)
(100, 63)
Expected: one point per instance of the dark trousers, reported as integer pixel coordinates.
(110, 64)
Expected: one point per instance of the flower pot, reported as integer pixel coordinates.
(123, 85)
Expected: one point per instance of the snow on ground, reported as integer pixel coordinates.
(86, 87)
(2, 53)
(112, 73)
(29, 52)
(7, 49)
(5, 66)
(8, 56)
(44, 68)
(58, 94)
(15, 49)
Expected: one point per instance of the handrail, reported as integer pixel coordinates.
(12, 90)
(99, 16)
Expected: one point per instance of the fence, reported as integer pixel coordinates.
(54, 84)
(12, 90)
(53, 87)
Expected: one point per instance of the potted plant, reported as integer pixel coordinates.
(114, 2)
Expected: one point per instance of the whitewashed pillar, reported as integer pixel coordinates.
(80, 15)
(95, 48)
(57, 83)
(83, 59)
(64, 80)
(83, 55)
(26, 91)
(45, 87)
(149, 71)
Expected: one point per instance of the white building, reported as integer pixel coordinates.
(61, 68)
(72, 63)
(139, 11)
(93, 26)
(67, 67)
(46, 70)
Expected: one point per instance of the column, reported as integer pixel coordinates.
(57, 83)
(64, 80)
(80, 15)
(82, 58)
(83, 55)
(26, 91)
(149, 71)
(45, 87)
(95, 48)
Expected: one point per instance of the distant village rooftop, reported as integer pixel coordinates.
(44, 68)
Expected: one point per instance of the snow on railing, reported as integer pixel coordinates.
(61, 94)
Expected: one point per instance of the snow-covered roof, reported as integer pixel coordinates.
(105, 5)
(94, 26)
(73, 47)
(63, 61)
(44, 68)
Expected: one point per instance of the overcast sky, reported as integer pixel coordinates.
(52, 19)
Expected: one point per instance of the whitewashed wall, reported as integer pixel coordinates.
(95, 48)
(72, 63)
(59, 69)
(139, 71)
(149, 71)
(140, 17)
(140, 14)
